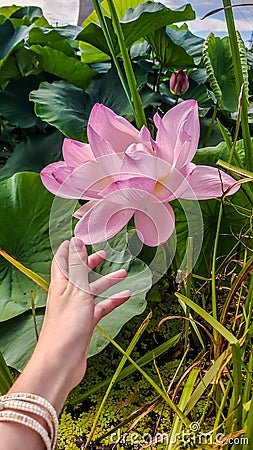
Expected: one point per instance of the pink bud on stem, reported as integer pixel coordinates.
(179, 83)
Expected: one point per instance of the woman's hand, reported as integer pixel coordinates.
(60, 357)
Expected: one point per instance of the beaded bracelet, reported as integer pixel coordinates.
(27, 407)
(22, 419)
(33, 404)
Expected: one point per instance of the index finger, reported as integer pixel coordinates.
(78, 264)
(59, 267)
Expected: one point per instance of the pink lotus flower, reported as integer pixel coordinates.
(125, 173)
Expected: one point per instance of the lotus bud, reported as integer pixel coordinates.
(179, 82)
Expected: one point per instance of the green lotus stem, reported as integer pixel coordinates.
(109, 42)
(135, 96)
(239, 82)
(236, 400)
(214, 300)
(210, 128)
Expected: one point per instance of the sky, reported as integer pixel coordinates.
(66, 11)
(216, 23)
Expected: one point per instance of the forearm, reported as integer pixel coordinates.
(59, 361)
(17, 437)
(45, 377)
(40, 377)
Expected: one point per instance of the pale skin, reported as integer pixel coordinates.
(59, 360)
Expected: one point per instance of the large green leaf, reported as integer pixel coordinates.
(51, 35)
(18, 338)
(196, 91)
(168, 53)
(148, 17)
(176, 48)
(200, 93)
(235, 219)
(34, 154)
(55, 38)
(11, 37)
(15, 105)
(8, 70)
(7, 11)
(28, 63)
(136, 23)
(91, 54)
(24, 215)
(205, 123)
(31, 12)
(121, 7)
(28, 15)
(93, 44)
(17, 335)
(100, 91)
(209, 156)
(217, 58)
(68, 68)
(192, 44)
(68, 109)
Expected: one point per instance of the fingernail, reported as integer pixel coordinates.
(102, 254)
(123, 294)
(122, 271)
(77, 243)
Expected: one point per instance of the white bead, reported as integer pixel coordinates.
(10, 416)
(31, 408)
(33, 404)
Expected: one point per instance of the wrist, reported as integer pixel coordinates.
(43, 376)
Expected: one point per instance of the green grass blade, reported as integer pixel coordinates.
(166, 397)
(247, 268)
(203, 384)
(249, 428)
(248, 383)
(209, 319)
(6, 380)
(237, 387)
(130, 368)
(28, 272)
(234, 169)
(194, 326)
(116, 374)
(184, 400)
